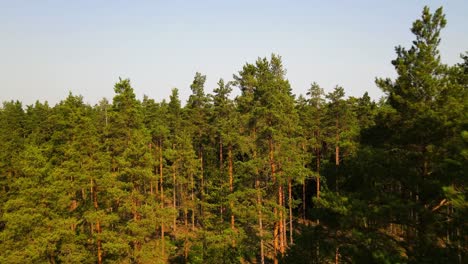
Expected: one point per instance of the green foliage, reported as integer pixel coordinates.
(266, 176)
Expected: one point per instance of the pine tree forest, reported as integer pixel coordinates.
(266, 176)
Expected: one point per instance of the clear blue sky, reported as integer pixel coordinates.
(48, 48)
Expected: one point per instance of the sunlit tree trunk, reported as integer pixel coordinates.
(186, 249)
(231, 184)
(192, 198)
(98, 222)
(161, 183)
(174, 197)
(337, 255)
(304, 188)
(259, 206)
(260, 221)
(282, 220)
(318, 172)
(337, 146)
(202, 187)
(290, 212)
(221, 161)
(277, 225)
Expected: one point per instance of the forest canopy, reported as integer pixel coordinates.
(265, 177)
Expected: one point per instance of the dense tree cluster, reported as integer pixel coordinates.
(266, 177)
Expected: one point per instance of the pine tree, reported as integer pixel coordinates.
(419, 127)
(267, 95)
(131, 166)
(231, 181)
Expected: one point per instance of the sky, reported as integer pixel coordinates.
(51, 48)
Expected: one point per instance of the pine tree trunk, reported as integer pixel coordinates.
(231, 184)
(220, 154)
(99, 246)
(275, 240)
(304, 200)
(202, 187)
(98, 223)
(304, 188)
(105, 114)
(221, 172)
(282, 227)
(290, 212)
(337, 147)
(285, 226)
(259, 204)
(174, 201)
(192, 198)
(318, 173)
(260, 221)
(163, 251)
(280, 222)
(136, 216)
(155, 187)
(186, 234)
(276, 228)
(337, 154)
(337, 255)
(317, 186)
(317, 151)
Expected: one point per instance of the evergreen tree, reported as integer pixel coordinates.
(232, 181)
(419, 127)
(273, 119)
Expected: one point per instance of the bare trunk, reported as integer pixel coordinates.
(220, 154)
(318, 173)
(94, 193)
(202, 183)
(290, 212)
(285, 226)
(304, 200)
(260, 221)
(98, 223)
(231, 185)
(337, 153)
(192, 198)
(221, 171)
(275, 235)
(186, 234)
(163, 251)
(337, 255)
(99, 246)
(317, 186)
(136, 216)
(276, 228)
(174, 201)
(281, 221)
(318, 178)
(259, 205)
(202, 174)
(337, 147)
(304, 188)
